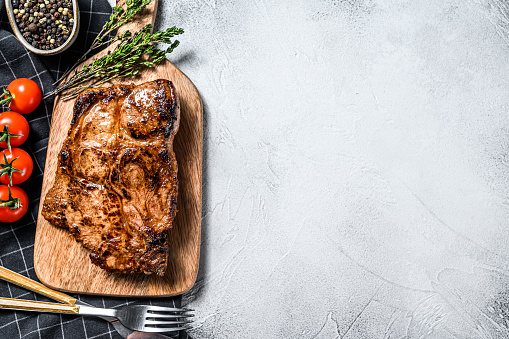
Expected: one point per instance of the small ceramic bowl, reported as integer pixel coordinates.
(72, 36)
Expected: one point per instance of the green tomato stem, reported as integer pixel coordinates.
(8, 168)
(5, 135)
(8, 98)
(12, 203)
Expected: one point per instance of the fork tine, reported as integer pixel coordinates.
(155, 322)
(162, 329)
(164, 315)
(168, 309)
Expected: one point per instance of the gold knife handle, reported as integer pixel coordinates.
(29, 305)
(22, 281)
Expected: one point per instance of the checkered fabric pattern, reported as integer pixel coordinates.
(17, 239)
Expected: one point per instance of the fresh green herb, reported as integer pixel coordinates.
(118, 18)
(134, 51)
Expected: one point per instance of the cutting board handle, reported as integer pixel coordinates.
(143, 18)
(62, 263)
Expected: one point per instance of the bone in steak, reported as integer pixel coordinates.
(116, 184)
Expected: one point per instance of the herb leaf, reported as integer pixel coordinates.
(133, 52)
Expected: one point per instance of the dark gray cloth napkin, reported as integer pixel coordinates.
(17, 239)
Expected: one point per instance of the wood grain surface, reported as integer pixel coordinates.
(62, 263)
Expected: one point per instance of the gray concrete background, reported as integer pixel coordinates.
(356, 167)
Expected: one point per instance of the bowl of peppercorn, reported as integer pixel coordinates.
(44, 27)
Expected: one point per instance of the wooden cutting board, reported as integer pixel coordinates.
(63, 264)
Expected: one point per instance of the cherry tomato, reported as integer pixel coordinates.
(13, 129)
(23, 95)
(16, 166)
(13, 203)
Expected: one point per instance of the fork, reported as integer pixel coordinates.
(136, 317)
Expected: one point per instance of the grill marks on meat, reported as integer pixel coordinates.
(116, 185)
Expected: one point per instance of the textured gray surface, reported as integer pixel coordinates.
(356, 167)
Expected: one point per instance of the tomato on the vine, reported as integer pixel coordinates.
(13, 129)
(13, 203)
(22, 95)
(15, 166)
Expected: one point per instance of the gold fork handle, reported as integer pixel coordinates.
(22, 281)
(29, 305)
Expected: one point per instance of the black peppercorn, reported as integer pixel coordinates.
(32, 27)
(37, 19)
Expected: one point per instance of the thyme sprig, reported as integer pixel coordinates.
(133, 52)
(118, 18)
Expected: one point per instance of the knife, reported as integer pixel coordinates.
(36, 287)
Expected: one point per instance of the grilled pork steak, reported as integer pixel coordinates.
(116, 185)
